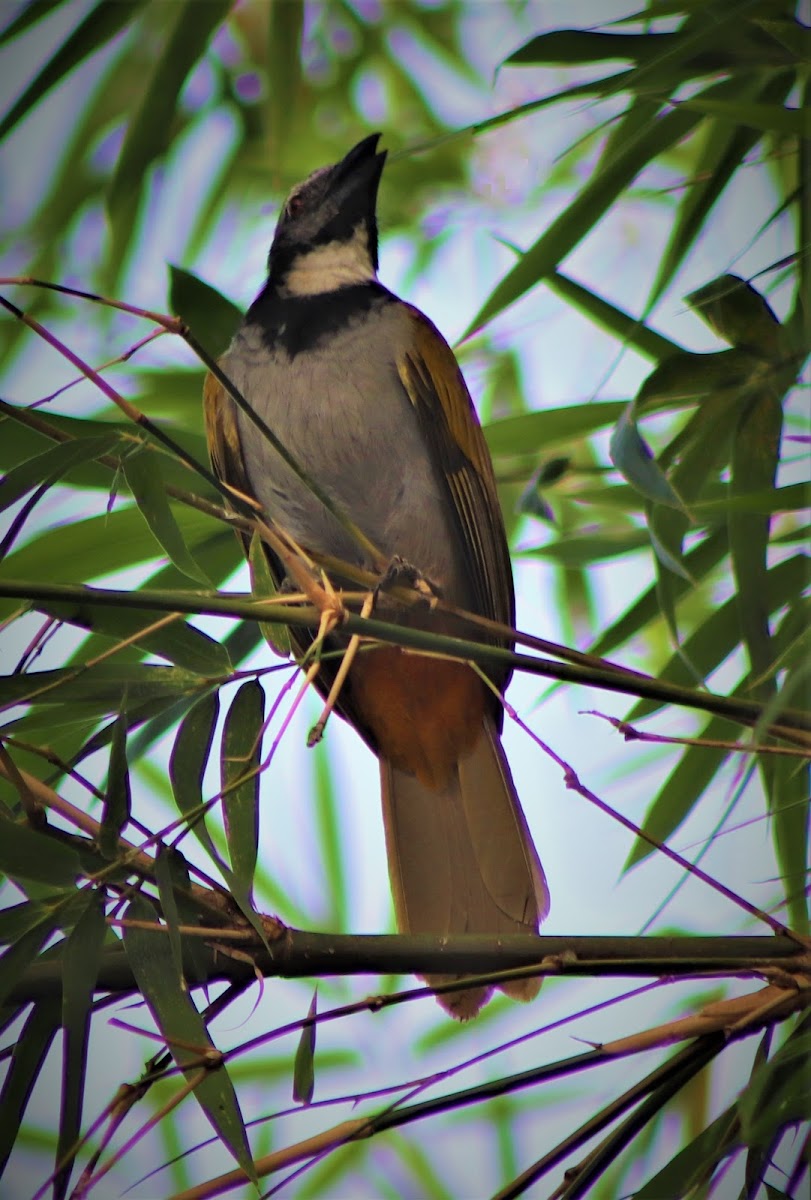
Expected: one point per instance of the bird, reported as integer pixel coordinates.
(368, 400)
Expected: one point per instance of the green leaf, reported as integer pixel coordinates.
(304, 1065)
(80, 964)
(791, 498)
(96, 546)
(212, 318)
(779, 1093)
(739, 314)
(576, 550)
(97, 29)
(666, 530)
(754, 464)
(21, 439)
(686, 378)
(27, 1060)
(684, 786)
(695, 1161)
(791, 819)
(142, 473)
(264, 587)
(603, 188)
(19, 918)
(570, 47)
(631, 331)
(633, 458)
(99, 688)
(185, 1033)
(718, 635)
(117, 798)
(179, 642)
(335, 886)
(28, 16)
(22, 953)
(240, 761)
(769, 118)
(29, 854)
(164, 863)
(645, 609)
(535, 431)
(51, 465)
(723, 153)
(149, 130)
(188, 762)
(174, 888)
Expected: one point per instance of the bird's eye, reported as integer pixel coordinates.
(295, 205)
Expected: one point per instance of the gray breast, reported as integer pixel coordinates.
(342, 412)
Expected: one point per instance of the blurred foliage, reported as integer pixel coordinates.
(703, 486)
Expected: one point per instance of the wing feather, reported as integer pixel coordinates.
(437, 390)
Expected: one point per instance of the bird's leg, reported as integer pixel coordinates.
(398, 573)
(317, 732)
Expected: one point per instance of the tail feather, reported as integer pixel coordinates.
(462, 860)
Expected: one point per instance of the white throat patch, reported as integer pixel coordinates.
(335, 265)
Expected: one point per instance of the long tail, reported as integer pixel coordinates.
(462, 860)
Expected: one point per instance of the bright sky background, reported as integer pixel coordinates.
(564, 360)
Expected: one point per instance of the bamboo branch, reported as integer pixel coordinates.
(300, 954)
(793, 724)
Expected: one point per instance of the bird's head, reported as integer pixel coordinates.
(326, 236)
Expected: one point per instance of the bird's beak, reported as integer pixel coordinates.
(360, 168)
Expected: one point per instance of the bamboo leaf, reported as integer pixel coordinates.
(535, 431)
(686, 378)
(634, 459)
(684, 786)
(739, 314)
(791, 826)
(212, 318)
(577, 550)
(240, 760)
(29, 854)
(96, 546)
(97, 29)
(98, 688)
(143, 476)
(28, 1057)
(149, 130)
(51, 465)
(631, 331)
(304, 1065)
(263, 586)
(666, 530)
(22, 952)
(80, 964)
(19, 918)
(334, 892)
(186, 1036)
(117, 798)
(712, 641)
(566, 47)
(188, 762)
(724, 150)
(174, 887)
(754, 465)
(780, 1090)
(180, 643)
(27, 17)
(567, 230)
(645, 609)
(694, 1162)
(768, 118)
